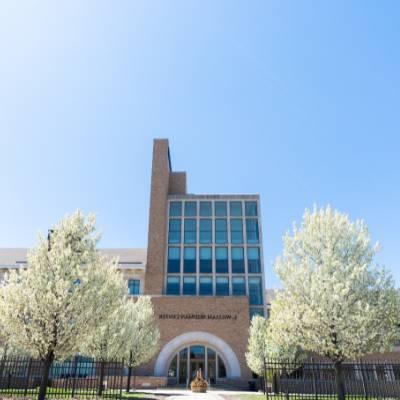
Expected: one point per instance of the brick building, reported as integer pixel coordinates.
(203, 269)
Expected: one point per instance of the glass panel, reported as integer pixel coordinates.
(205, 260)
(238, 286)
(174, 259)
(251, 209)
(221, 368)
(206, 286)
(221, 234)
(190, 231)
(255, 291)
(205, 209)
(256, 311)
(189, 285)
(220, 209)
(237, 260)
(236, 230)
(174, 235)
(252, 230)
(197, 352)
(211, 357)
(175, 209)
(235, 208)
(222, 286)
(134, 287)
(190, 208)
(205, 231)
(221, 260)
(253, 260)
(173, 285)
(189, 261)
(173, 367)
(183, 354)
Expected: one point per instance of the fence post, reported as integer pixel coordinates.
(28, 375)
(363, 380)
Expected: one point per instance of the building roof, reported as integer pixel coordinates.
(128, 258)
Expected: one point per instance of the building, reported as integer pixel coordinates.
(203, 269)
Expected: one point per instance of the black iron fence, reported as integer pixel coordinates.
(76, 378)
(319, 380)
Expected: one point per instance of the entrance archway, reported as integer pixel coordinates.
(190, 347)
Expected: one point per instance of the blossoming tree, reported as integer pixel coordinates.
(336, 301)
(65, 292)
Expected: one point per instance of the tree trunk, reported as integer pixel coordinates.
(100, 388)
(339, 381)
(46, 365)
(128, 383)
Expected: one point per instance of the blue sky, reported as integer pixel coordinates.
(295, 100)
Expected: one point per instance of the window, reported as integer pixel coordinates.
(237, 260)
(220, 209)
(190, 208)
(205, 209)
(175, 209)
(134, 287)
(173, 368)
(205, 231)
(189, 260)
(206, 286)
(252, 230)
(236, 230)
(189, 285)
(205, 260)
(221, 234)
(221, 368)
(221, 260)
(255, 291)
(235, 208)
(222, 286)
(174, 259)
(256, 311)
(173, 285)
(190, 231)
(251, 209)
(253, 260)
(238, 286)
(174, 235)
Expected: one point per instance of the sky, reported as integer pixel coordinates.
(298, 101)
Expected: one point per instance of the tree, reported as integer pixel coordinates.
(143, 344)
(336, 301)
(66, 291)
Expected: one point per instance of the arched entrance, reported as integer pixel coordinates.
(183, 355)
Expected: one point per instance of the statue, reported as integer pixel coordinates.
(199, 384)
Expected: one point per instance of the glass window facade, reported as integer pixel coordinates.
(206, 286)
(237, 260)
(189, 285)
(238, 286)
(255, 291)
(221, 260)
(189, 260)
(205, 260)
(236, 231)
(190, 208)
(253, 260)
(190, 231)
(205, 230)
(235, 208)
(174, 232)
(220, 209)
(174, 259)
(221, 232)
(222, 286)
(173, 285)
(252, 230)
(251, 209)
(256, 311)
(205, 209)
(175, 209)
(134, 287)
